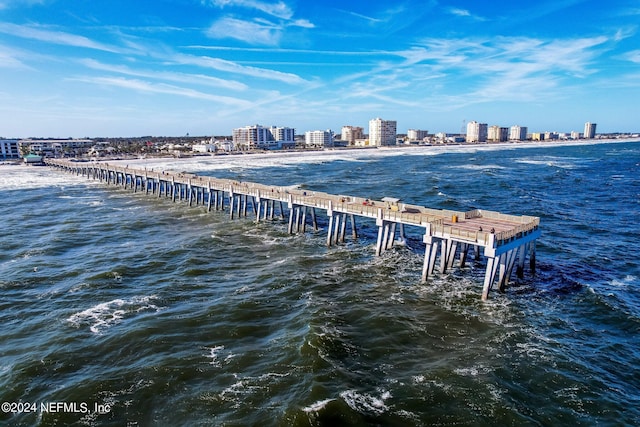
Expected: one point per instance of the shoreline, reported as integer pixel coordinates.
(262, 158)
(258, 159)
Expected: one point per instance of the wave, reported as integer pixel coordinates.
(366, 403)
(102, 316)
(30, 177)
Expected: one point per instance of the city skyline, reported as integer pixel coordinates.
(204, 67)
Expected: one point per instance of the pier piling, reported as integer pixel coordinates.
(450, 233)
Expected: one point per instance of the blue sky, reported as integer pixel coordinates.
(171, 67)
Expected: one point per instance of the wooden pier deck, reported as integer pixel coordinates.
(505, 240)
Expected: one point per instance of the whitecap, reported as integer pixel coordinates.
(213, 355)
(624, 282)
(478, 167)
(104, 315)
(365, 402)
(29, 177)
(317, 406)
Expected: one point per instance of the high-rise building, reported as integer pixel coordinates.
(318, 138)
(256, 136)
(476, 132)
(283, 134)
(382, 132)
(352, 133)
(518, 133)
(417, 135)
(589, 130)
(497, 134)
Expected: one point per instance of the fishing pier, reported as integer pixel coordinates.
(504, 240)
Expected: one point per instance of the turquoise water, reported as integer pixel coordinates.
(162, 314)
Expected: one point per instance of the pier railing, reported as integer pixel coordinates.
(443, 222)
(504, 237)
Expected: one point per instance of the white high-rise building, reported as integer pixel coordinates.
(256, 136)
(283, 134)
(476, 132)
(417, 135)
(497, 134)
(318, 138)
(352, 133)
(518, 133)
(382, 132)
(589, 130)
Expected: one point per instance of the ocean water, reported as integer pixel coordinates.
(121, 309)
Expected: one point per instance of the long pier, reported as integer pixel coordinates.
(505, 240)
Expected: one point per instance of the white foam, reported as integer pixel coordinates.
(213, 355)
(317, 406)
(365, 402)
(104, 315)
(29, 177)
(624, 282)
(478, 167)
(558, 162)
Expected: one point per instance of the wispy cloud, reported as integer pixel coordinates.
(263, 33)
(459, 12)
(235, 68)
(54, 37)
(464, 13)
(459, 72)
(160, 88)
(633, 56)
(369, 19)
(256, 29)
(7, 4)
(278, 9)
(198, 79)
(9, 59)
(301, 51)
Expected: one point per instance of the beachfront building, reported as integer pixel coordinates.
(382, 132)
(318, 138)
(589, 130)
(476, 132)
(256, 136)
(537, 136)
(518, 133)
(417, 135)
(283, 134)
(575, 134)
(352, 133)
(9, 149)
(497, 134)
(56, 147)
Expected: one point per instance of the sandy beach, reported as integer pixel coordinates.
(284, 158)
(254, 160)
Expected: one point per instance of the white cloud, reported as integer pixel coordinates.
(9, 59)
(459, 12)
(250, 32)
(464, 13)
(256, 30)
(143, 86)
(278, 9)
(7, 4)
(199, 79)
(633, 56)
(235, 68)
(303, 23)
(55, 37)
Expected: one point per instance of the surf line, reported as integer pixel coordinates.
(504, 240)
